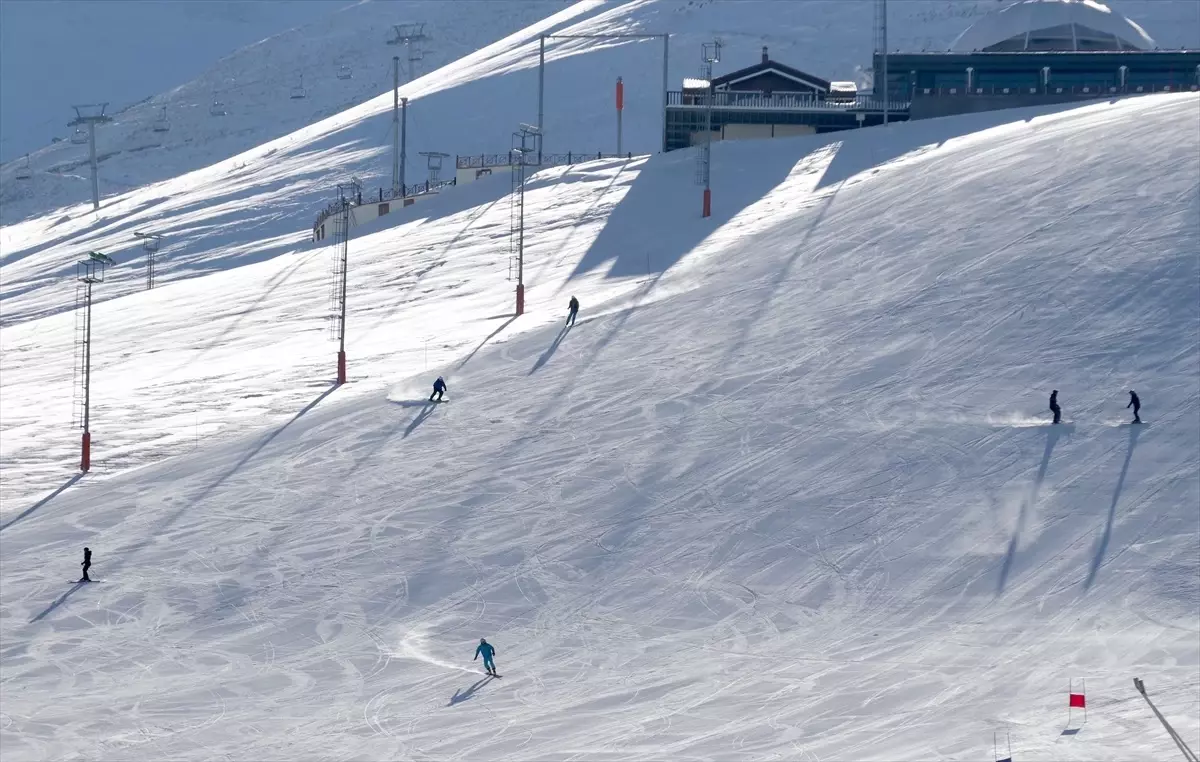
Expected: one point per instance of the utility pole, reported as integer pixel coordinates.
(88, 272)
(525, 133)
(396, 192)
(91, 120)
(711, 54)
(881, 48)
(541, 90)
(150, 243)
(340, 272)
(403, 142)
(620, 107)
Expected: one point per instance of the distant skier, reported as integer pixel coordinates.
(87, 564)
(1136, 404)
(485, 648)
(439, 387)
(1054, 408)
(572, 310)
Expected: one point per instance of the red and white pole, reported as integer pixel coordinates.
(85, 461)
(620, 108)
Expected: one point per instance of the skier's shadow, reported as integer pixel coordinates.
(461, 696)
(562, 334)
(60, 601)
(1052, 436)
(425, 413)
(1106, 535)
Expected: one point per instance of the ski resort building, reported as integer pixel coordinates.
(1029, 53)
(766, 100)
(1035, 52)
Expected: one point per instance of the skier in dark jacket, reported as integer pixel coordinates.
(87, 564)
(439, 387)
(485, 649)
(1054, 408)
(572, 310)
(1136, 404)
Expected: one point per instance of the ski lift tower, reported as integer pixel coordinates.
(521, 153)
(88, 272)
(150, 243)
(91, 114)
(410, 36)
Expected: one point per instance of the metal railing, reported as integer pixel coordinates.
(1095, 89)
(380, 196)
(514, 159)
(781, 101)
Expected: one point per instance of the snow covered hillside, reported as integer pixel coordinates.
(784, 492)
(120, 51)
(473, 106)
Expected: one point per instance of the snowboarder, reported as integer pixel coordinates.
(87, 564)
(1136, 404)
(485, 648)
(439, 386)
(572, 310)
(1054, 408)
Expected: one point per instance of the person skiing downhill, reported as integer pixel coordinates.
(1054, 408)
(439, 387)
(572, 310)
(1136, 404)
(485, 648)
(87, 564)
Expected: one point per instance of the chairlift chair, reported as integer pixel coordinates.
(298, 90)
(25, 172)
(217, 108)
(80, 136)
(162, 124)
(345, 72)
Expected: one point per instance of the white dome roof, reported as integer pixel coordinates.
(1053, 25)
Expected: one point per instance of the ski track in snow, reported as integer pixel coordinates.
(779, 494)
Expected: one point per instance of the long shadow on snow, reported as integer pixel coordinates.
(41, 502)
(424, 414)
(863, 150)
(1102, 544)
(658, 221)
(57, 602)
(258, 446)
(562, 334)
(461, 696)
(1052, 437)
(486, 339)
(747, 324)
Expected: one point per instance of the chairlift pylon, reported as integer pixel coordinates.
(162, 124)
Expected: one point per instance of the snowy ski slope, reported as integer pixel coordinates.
(471, 105)
(784, 492)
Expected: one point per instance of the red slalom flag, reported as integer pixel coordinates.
(1077, 701)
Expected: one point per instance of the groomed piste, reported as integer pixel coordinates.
(786, 490)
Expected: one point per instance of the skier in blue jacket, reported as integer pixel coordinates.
(439, 387)
(485, 648)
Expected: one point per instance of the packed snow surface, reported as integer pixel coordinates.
(786, 490)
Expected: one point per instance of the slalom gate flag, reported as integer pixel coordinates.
(1077, 701)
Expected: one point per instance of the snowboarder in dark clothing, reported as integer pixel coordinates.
(572, 310)
(1136, 404)
(1054, 408)
(87, 564)
(485, 649)
(439, 387)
